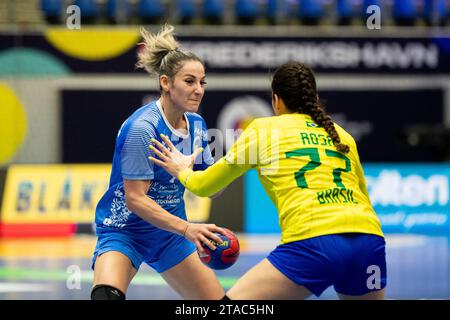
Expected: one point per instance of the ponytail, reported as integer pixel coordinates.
(294, 82)
(161, 53)
(313, 107)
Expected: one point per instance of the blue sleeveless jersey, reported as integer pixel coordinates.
(131, 162)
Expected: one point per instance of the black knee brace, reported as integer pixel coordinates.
(106, 292)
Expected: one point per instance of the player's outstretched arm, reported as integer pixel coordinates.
(202, 183)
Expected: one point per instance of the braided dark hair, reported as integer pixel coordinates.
(295, 84)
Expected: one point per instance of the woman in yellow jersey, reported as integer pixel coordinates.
(310, 168)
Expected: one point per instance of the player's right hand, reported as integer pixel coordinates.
(201, 233)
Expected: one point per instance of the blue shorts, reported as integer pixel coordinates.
(354, 263)
(161, 253)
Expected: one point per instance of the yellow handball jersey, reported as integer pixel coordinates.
(316, 189)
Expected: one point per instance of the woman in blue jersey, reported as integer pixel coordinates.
(310, 168)
(141, 217)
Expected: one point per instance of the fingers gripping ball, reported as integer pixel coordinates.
(226, 253)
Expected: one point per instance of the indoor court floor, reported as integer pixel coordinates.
(59, 268)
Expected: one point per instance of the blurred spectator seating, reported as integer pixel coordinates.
(273, 9)
(404, 12)
(187, 11)
(90, 11)
(345, 12)
(366, 4)
(246, 11)
(119, 11)
(436, 12)
(213, 11)
(311, 12)
(52, 10)
(442, 12)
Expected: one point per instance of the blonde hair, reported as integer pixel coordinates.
(161, 53)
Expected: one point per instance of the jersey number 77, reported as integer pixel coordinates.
(313, 154)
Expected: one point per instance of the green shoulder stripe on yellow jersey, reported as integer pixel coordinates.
(316, 189)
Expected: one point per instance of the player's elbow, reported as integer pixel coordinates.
(135, 193)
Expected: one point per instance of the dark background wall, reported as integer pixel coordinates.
(377, 119)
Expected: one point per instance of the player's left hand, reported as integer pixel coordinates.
(171, 159)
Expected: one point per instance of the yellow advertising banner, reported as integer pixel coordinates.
(67, 194)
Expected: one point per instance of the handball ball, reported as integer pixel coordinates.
(225, 254)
